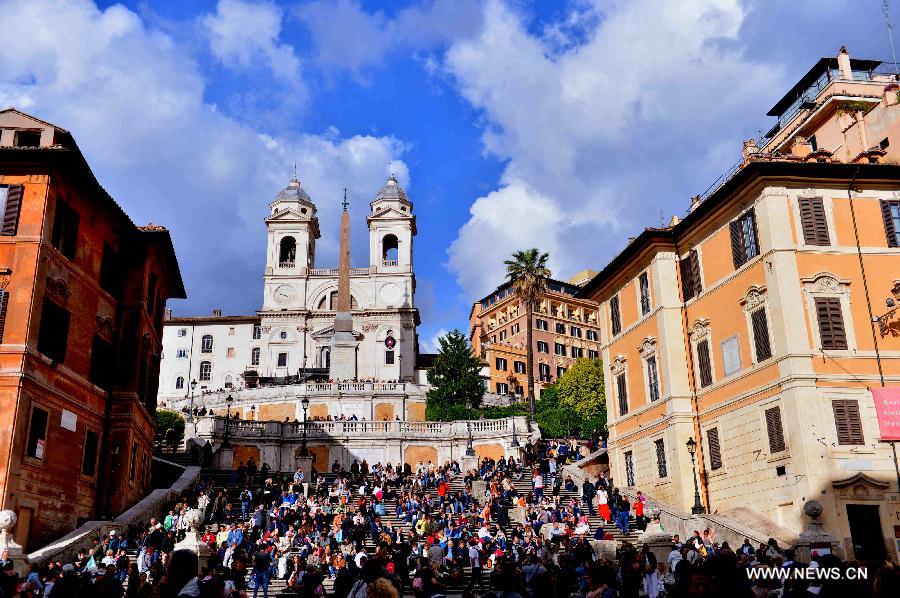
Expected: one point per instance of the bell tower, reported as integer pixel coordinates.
(392, 227)
(293, 228)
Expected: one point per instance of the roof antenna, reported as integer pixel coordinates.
(890, 30)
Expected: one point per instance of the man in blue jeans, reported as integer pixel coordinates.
(261, 564)
(622, 515)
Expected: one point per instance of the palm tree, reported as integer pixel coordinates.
(528, 273)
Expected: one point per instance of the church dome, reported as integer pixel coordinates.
(293, 192)
(392, 191)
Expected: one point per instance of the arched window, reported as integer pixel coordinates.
(326, 358)
(205, 371)
(228, 381)
(390, 250)
(206, 343)
(287, 253)
(330, 302)
(254, 356)
(179, 383)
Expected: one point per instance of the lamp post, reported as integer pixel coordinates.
(305, 404)
(698, 508)
(191, 414)
(470, 447)
(228, 401)
(515, 440)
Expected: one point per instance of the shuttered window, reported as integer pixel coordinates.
(10, 206)
(661, 458)
(774, 429)
(644, 283)
(703, 363)
(813, 222)
(629, 468)
(110, 275)
(622, 394)
(890, 211)
(652, 378)
(715, 451)
(53, 336)
(4, 300)
(690, 276)
(102, 363)
(848, 422)
(831, 323)
(744, 239)
(761, 335)
(65, 229)
(614, 316)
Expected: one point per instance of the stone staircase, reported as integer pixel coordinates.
(227, 480)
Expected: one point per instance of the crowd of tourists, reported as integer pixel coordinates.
(332, 535)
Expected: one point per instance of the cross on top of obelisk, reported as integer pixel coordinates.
(345, 203)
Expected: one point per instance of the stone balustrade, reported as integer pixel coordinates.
(213, 428)
(294, 392)
(278, 443)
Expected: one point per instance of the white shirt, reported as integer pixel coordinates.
(474, 556)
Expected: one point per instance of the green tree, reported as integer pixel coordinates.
(528, 273)
(581, 389)
(166, 419)
(454, 378)
(554, 420)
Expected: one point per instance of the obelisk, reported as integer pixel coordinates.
(343, 343)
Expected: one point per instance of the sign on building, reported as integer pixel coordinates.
(887, 407)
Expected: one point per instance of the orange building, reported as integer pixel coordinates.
(565, 329)
(756, 324)
(82, 296)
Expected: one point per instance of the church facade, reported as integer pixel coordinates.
(290, 339)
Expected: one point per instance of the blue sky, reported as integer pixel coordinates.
(564, 125)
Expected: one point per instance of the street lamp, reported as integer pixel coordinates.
(305, 404)
(470, 446)
(193, 386)
(515, 440)
(698, 508)
(228, 401)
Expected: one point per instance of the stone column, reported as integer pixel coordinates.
(657, 539)
(814, 535)
(192, 539)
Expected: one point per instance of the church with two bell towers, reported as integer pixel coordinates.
(316, 324)
(300, 300)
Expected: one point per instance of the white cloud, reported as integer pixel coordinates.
(134, 99)
(589, 116)
(346, 37)
(246, 34)
(432, 345)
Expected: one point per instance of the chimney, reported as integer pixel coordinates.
(168, 313)
(801, 147)
(217, 313)
(843, 60)
(749, 149)
(695, 202)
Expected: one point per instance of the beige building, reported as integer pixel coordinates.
(756, 325)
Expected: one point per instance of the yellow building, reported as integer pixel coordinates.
(752, 327)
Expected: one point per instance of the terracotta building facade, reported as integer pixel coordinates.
(82, 296)
(565, 329)
(770, 317)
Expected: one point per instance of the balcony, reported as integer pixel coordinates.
(286, 264)
(390, 263)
